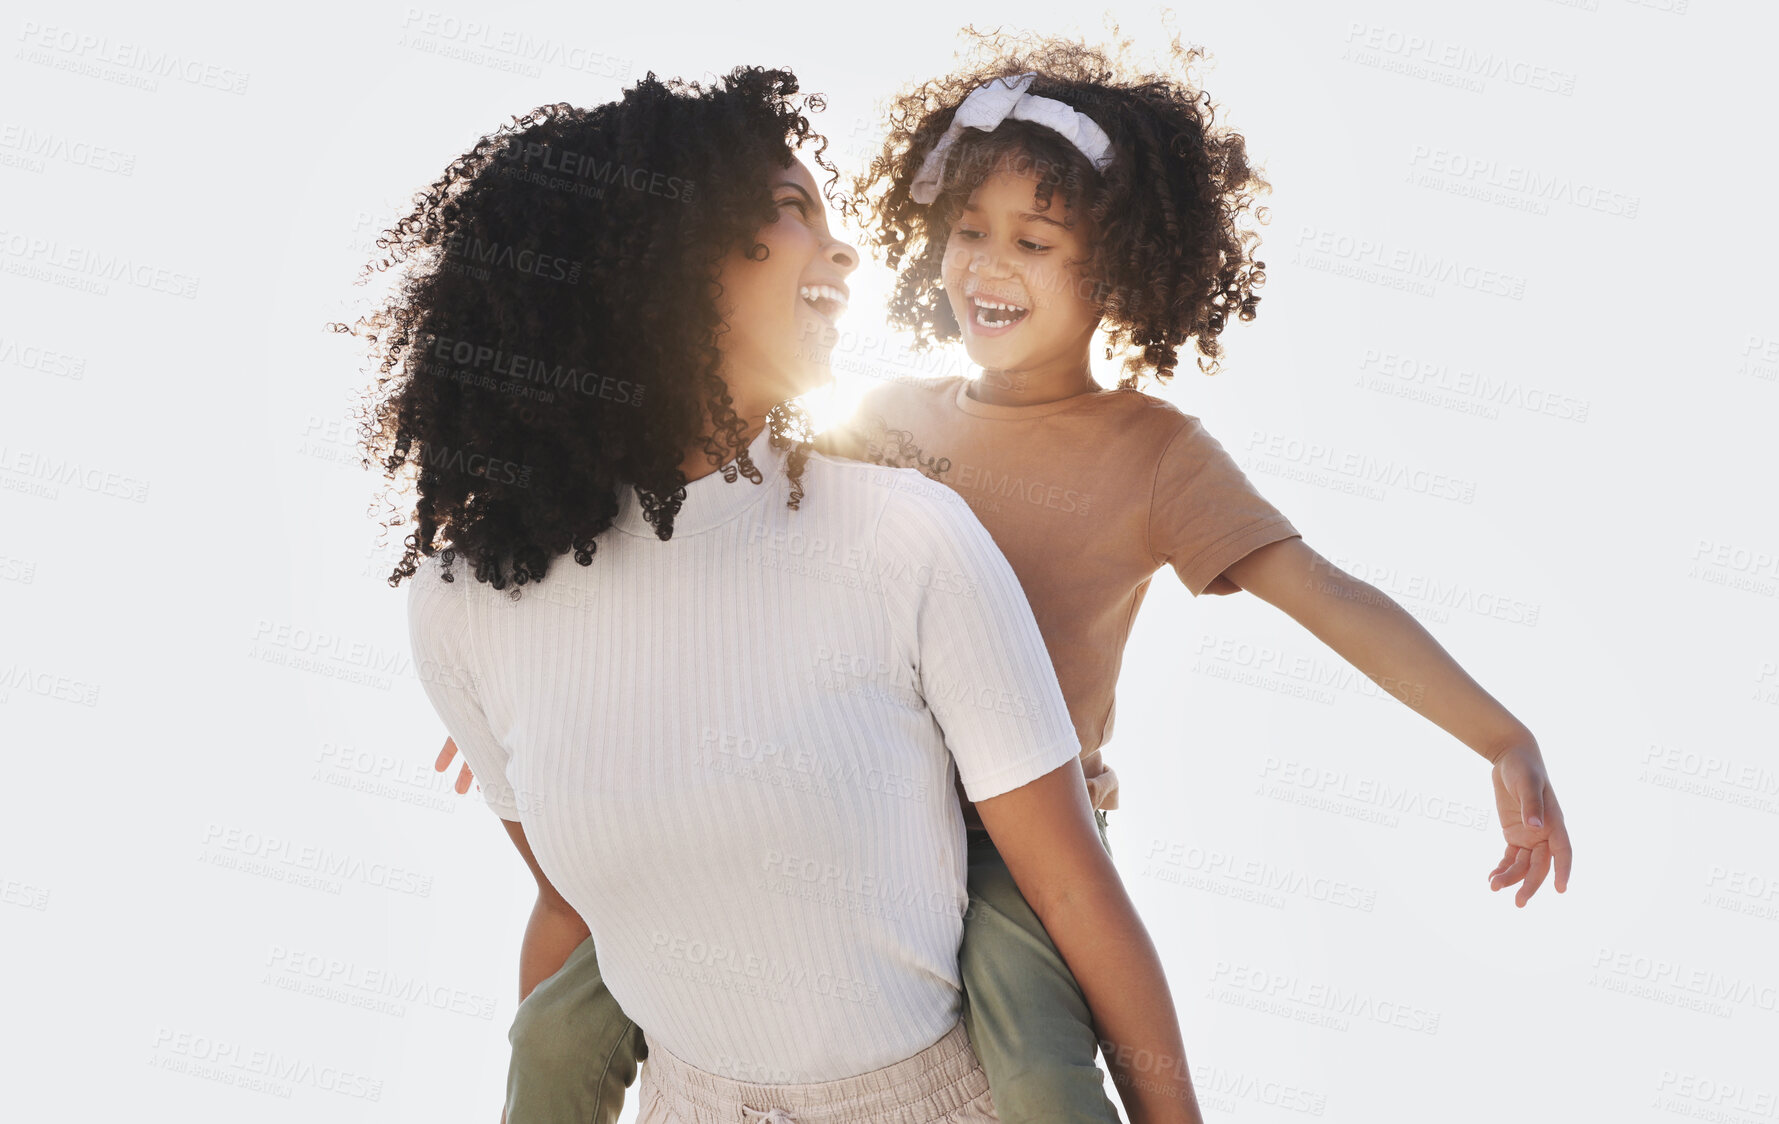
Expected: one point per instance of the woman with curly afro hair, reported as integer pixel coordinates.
(1045, 192)
(725, 736)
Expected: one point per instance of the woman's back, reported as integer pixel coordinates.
(754, 717)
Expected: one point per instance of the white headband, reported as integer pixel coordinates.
(993, 102)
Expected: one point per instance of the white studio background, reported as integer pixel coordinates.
(1517, 364)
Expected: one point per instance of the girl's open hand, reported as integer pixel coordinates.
(444, 762)
(1531, 821)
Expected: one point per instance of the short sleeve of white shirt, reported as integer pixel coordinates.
(438, 632)
(959, 610)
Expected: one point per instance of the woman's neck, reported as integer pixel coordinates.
(697, 462)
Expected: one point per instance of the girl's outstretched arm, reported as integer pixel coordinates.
(1380, 638)
(1045, 832)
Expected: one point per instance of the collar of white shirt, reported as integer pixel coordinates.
(710, 500)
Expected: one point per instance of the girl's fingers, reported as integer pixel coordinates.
(463, 780)
(1521, 860)
(446, 752)
(1506, 861)
(1532, 804)
(1539, 867)
(1562, 854)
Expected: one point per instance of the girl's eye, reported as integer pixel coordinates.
(1025, 243)
(802, 207)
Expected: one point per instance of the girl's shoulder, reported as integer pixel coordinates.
(1137, 414)
(1160, 415)
(1142, 400)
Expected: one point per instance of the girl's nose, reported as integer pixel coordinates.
(984, 263)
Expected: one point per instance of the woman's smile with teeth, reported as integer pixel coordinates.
(827, 301)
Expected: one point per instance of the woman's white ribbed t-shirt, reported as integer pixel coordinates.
(732, 752)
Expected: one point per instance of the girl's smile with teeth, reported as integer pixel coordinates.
(989, 316)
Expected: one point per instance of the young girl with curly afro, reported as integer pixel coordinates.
(1045, 192)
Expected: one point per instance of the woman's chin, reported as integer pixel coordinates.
(813, 377)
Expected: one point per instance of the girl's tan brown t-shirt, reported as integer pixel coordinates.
(1087, 497)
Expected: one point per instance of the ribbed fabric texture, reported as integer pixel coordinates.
(732, 752)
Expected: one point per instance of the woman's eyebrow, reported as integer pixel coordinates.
(798, 188)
